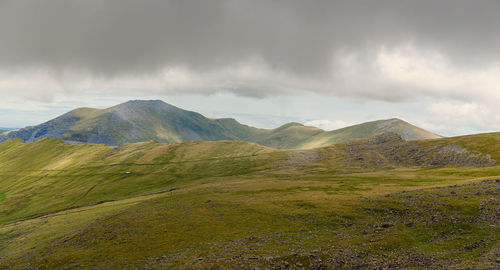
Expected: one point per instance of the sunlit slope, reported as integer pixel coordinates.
(289, 136)
(141, 120)
(48, 175)
(406, 130)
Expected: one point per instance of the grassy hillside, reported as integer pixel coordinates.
(484, 143)
(87, 174)
(453, 227)
(140, 121)
(97, 172)
(405, 130)
(238, 205)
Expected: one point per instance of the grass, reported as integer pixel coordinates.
(237, 205)
(217, 226)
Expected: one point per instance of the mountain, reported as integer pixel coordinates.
(406, 130)
(132, 121)
(139, 121)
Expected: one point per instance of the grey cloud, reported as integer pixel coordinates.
(123, 37)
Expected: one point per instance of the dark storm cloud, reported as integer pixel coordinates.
(251, 48)
(136, 36)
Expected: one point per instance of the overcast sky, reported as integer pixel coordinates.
(326, 63)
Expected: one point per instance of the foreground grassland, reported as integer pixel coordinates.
(377, 203)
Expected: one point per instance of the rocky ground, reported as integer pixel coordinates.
(387, 150)
(441, 228)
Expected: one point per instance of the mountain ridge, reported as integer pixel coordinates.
(144, 120)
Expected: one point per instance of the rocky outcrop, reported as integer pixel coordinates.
(389, 149)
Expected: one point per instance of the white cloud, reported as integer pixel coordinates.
(462, 117)
(430, 73)
(407, 72)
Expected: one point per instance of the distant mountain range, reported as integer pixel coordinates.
(3, 129)
(140, 120)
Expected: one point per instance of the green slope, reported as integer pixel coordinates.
(89, 173)
(445, 228)
(139, 121)
(400, 127)
(240, 205)
(86, 174)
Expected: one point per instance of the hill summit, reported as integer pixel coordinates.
(144, 120)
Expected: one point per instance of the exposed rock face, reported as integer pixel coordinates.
(52, 129)
(60, 128)
(389, 149)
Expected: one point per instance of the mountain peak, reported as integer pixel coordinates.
(292, 124)
(405, 129)
(130, 108)
(392, 120)
(144, 101)
(395, 119)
